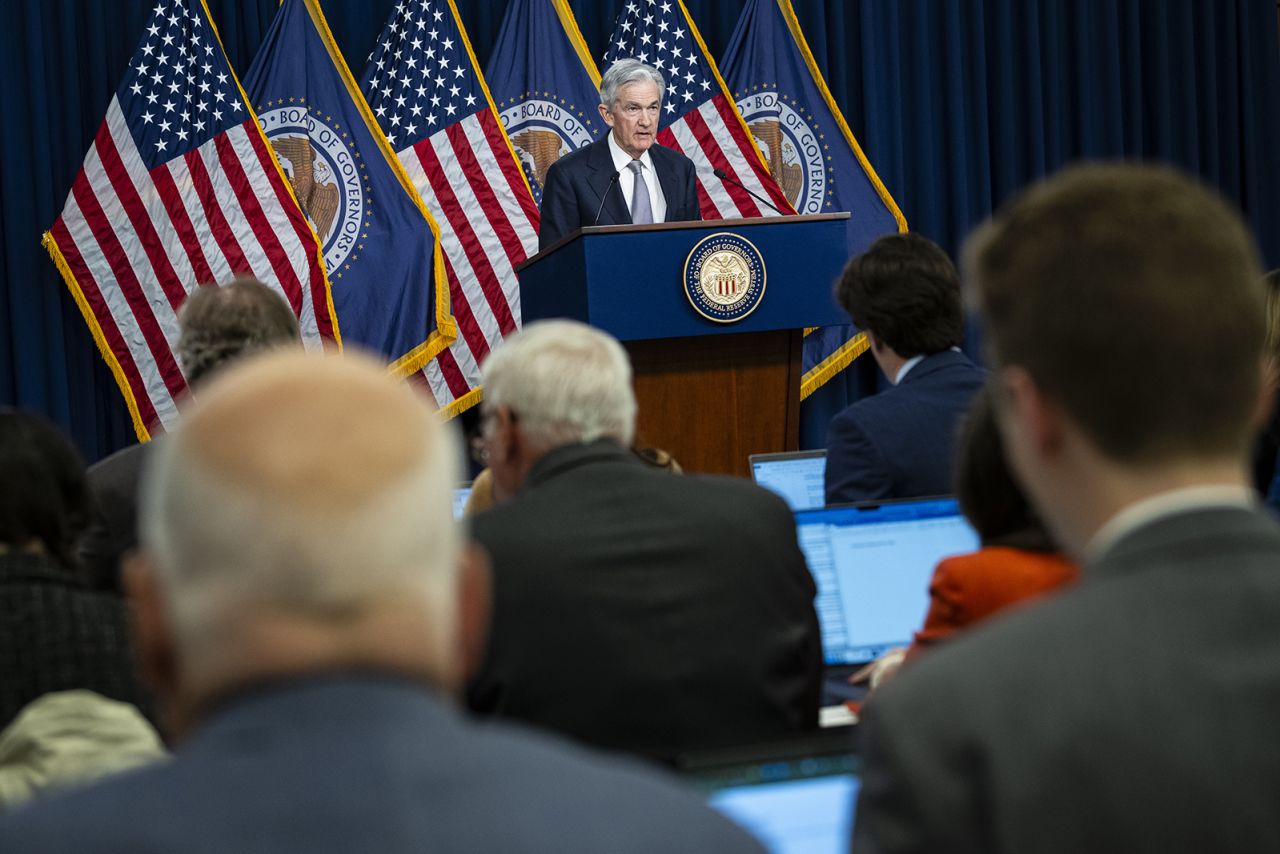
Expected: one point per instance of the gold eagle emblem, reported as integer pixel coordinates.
(542, 146)
(790, 176)
(318, 198)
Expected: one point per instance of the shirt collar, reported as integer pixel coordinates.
(1170, 503)
(906, 367)
(621, 158)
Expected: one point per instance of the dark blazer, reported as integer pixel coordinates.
(113, 528)
(576, 185)
(1134, 712)
(57, 635)
(359, 763)
(645, 611)
(899, 443)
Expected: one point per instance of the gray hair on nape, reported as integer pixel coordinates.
(224, 551)
(626, 71)
(567, 383)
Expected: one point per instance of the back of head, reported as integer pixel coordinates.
(304, 489)
(44, 498)
(565, 381)
(219, 323)
(989, 496)
(905, 291)
(1133, 297)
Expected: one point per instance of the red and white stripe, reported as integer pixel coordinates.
(488, 222)
(137, 242)
(713, 137)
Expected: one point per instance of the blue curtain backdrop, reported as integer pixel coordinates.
(958, 105)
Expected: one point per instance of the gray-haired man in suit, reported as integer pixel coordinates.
(1137, 712)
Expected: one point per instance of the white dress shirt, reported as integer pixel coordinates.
(1143, 513)
(627, 179)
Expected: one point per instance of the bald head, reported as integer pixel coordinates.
(304, 496)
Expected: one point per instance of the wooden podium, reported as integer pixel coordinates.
(709, 393)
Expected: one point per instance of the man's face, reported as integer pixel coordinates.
(634, 116)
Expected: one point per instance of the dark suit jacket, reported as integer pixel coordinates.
(359, 763)
(576, 185)
(1135, 712)
(113, 529)
(645, 611)
(899, 443)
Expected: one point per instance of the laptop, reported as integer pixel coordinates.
(872, 563)
(460, 496)
(798, 476)
(794, 796)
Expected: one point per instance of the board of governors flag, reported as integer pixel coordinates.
(810, 151)
(179, 189)
(430, 99)
(380, 245)
(698, 117)
(545, 85)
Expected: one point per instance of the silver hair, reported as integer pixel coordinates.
(566, 381)
(626, 71)
(223, 549)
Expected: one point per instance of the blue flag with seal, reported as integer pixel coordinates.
(810, 151)
(380, 245)
(545, 85)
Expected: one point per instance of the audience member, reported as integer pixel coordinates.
(302, 614)
(1135, 711)
(632, 609)
(904, 294)
(55, 633)
(1266, 450)
(1017, 562)
(216, 326)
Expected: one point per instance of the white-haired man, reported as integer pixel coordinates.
(626, 177)
(633, 609)
(302, 611)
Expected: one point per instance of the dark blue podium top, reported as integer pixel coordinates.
(628, 279)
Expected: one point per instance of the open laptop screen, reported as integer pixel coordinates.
(460, 496)
(798, 803)
(797, 476)
(872, 563)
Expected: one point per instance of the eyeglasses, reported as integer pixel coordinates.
(479, 447)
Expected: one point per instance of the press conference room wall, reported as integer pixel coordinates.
(957, 103)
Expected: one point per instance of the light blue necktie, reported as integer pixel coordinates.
(641, 207)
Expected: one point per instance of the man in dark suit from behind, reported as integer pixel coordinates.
(216, 325)
(305, 612)
(633, 609)
(1137, 711)
(904, 293)
(597, 184)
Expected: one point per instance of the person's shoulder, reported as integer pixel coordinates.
(125, 463)
(601, 799)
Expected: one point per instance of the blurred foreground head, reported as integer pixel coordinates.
(298, 519)
(1123, 311)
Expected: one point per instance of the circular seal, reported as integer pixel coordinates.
(724, 277)
(541, 132)
(325, 176)
(791, 146)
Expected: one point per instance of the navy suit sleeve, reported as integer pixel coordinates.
(856, 471)
(559, 213)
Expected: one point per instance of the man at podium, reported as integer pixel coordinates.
(625, 177)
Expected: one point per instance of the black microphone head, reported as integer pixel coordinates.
(721, 174)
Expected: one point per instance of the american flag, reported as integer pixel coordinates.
(179, 188)
(698, 116)
(430, 99)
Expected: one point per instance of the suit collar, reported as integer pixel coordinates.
(569, 457)
(935, 362)
(600, 178)
(664, 167)
(1207, 532)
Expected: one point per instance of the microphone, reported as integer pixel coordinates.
(600, 209)
(724, 176)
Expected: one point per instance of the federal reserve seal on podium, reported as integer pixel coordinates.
(724, 277)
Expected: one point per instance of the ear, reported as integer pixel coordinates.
(152, 638)
(606, 114)
(1038, 422)
(475, 590)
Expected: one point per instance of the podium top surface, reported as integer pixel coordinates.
(677, 226)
